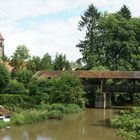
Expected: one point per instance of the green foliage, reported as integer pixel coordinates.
(4, 77)
(137, 99)
(15, 87)
(58, 107)
(3, 124)
(33, 89)
(54, 111)
(28, 117)
(55, 114)
(63, 109)
(125, 12)
(111, 40)
(23, 75)
(20, 56)
(66, 89)
(88, 47)
(61, 63)
(75, 65)
(72, 108)
(34, 64)
(46, 62)
(13, 101)
(100, 68)
(128, 123)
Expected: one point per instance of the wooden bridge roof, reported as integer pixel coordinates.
(96, 74)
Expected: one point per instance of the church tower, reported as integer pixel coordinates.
(1, 46)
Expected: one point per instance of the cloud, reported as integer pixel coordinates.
(21, 22)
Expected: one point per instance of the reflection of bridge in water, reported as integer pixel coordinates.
(103, 97)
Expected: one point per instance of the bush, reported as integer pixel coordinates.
(66, 89)
(15, 87)
(72, 108)
(4, 124)
(65, 109)
(58, 107)
(55, 114)
(12, 102)
(28, 117)
(23, 76)
(4, 77)
(128, 123)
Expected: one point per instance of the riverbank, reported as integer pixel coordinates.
(128, 123)
(54, 111)
(88, 125)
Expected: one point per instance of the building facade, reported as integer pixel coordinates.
(1, 46)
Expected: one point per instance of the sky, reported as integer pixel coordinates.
(50, 26)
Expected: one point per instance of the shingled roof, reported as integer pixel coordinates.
(96, 74)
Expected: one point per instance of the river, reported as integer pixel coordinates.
(90, 125)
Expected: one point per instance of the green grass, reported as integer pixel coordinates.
(54, 111)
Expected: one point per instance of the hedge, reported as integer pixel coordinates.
(12, 101)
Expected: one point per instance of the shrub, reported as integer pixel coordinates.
(128, 123)
(12, 102)
(65, 109)
(55, 114)
(4, 124)
(66, 89)
(28, 117)
(58, 107)
(23, 76)
(72, 108)
(15, 87)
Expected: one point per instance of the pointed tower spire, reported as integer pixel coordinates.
(1, 46)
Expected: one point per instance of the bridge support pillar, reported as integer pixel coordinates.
(103, 100)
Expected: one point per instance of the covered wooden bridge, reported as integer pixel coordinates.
(104, 98)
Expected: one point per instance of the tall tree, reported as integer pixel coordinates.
(61, 63)
(46, 62)
(119, 42)
(111, 40)
(89, 46)
(20, 56)
(34, 63)
(125, 12)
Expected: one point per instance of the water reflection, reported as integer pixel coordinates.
(91, 125)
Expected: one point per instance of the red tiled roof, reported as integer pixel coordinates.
(1, 38)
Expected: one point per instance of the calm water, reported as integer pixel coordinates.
(91, 125)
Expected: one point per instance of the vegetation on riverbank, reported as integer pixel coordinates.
(44, 112)
(128, 123)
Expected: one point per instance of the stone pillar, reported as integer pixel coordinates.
(102, 99)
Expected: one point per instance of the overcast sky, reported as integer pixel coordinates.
(50, 25)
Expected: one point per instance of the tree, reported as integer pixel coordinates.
(125, 12)
(111, 40)
(119, 42)
(4, 77)
(46, 62)
(89, 46)
(61, 63)
(20, 56)
(23, 75)
(34, 63)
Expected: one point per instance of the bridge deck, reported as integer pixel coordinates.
(96, 74)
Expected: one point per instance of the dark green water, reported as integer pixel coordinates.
(90, 125)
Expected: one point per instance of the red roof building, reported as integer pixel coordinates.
(1, 38)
